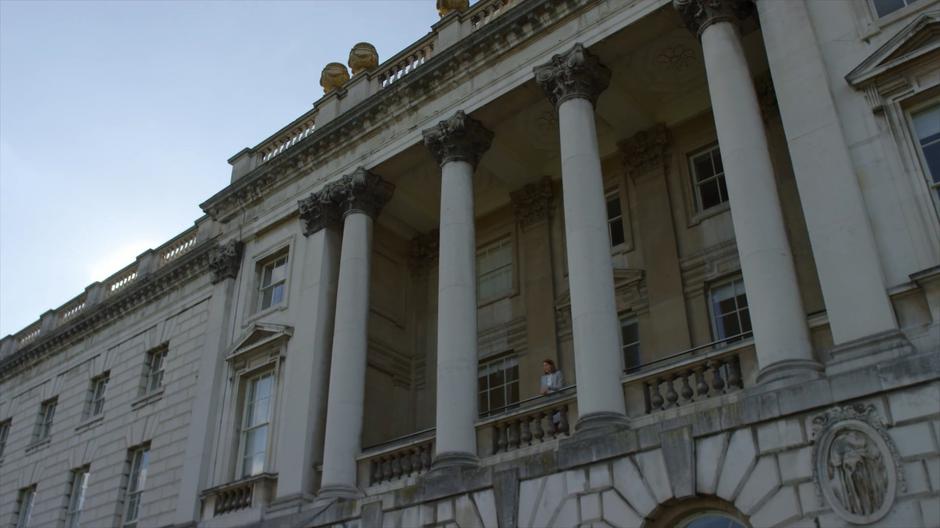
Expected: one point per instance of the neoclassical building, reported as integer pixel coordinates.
(718, 219)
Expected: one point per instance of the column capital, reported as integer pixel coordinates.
(699, 14)
(532, 203)
(458, 138)
(320, 210)
(645, 150)
(225, 259)
(362, 191)
(574, 74)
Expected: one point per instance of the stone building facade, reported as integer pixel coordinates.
(718, 218)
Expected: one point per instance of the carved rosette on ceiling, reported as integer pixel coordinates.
(699, 14)
(423, 252)
(532, 204)
(362, 191)
(646, 150)
(320, 210)
(575, 74)
(224, 260)
(458, 138)
(856, 466)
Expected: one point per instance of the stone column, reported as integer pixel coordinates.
(307, 366)
(457, 144)
(777, 316)
(573, 81)
(362, 195)
(224, 262)
(645, 161)
(840, 233)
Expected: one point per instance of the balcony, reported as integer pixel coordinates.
(250, 492)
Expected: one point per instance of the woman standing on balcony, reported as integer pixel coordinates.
(553, 382)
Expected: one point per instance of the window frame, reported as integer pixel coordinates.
(713, 318)
(933, 188)
(137, 464)
(5, 426)
(699, 208)
(263, 264)
(609, 195)
(505, 385)
(626, 320)
(77, 493)
(25, 495)
(496, 243)
(894, 12)
(43, 429)
(152, 374)
(94, 403)
(245, 381)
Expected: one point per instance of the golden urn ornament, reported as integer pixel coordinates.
(334, 76)
(446, 7)
(363, 57)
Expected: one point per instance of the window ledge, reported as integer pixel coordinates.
(89, 423)
(38, 445)
(147, 399)
(496, 298)
(714, 210)
(267, 311)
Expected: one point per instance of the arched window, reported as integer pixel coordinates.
(711, 519)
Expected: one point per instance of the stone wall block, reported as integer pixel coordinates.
(741, 456)
(507, 498)
(679, 455)
(930, 509)
(915, 403)
(653, 466)
(576, 481)
(781, 508)
(599, 476)
(465, 513)
(630, 484)
(915, 476)
(445, 510)
(567, 514)
(617, 512)
(809, 498)
(762, 481)
(913, 440)
(709, 452)
(933, 473)
(486, 507)
(590, 507)
(796, 465)
(779, 435)
(553, 493)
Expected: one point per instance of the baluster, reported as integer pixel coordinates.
(701, 388)
(717, 382)
(671, 396)
(416, 460)
(656, 398)
(501, 439)
(563, 422)
(537, 430)
(734, 372)
(513, 434)
(373, 471)
(686, 390)
(396, 466)
(525, 434)
(386, 469)
(405, 463)
(426, 456)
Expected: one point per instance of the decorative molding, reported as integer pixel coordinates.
(856, 466)
(575, 74)
(362, 191)
(646, 150)
(458, 138)
(707, 265)
(917, 40)
(320, 211)
(225, 260)
(532, 204)
(699, 14)
(423, 252)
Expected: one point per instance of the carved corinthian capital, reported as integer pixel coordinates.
(458, 138)
(532, 203)
(362, 191)
(320, 210)
(224, 260)
(646, 150)
(575, 74)
(699, 14)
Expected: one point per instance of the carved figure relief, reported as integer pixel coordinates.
(856, 465)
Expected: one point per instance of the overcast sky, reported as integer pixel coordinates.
(117, 118)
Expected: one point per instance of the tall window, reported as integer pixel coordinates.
(95, 404)
(614, 219)
(139, 461)
(886, 7)
(44, 422)
(708, 177)
(711, 520)
(498, 384)
(78, 487)
(271, 289)
(24, 506)
(730, 316)
(256, 419)
(4, 433)
(927, 129)
(630, 342)
(154, 365)
(494, 269)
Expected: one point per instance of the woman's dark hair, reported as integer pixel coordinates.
(550, 362)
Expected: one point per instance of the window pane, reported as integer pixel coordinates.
(266, 275)
(932, 156)
(512, 373)
(277, 294)
(716, 161)
(484, 403)
(266, 298)
(710, 194)
(728, 326)
(513, 393)
(132, 503)
(616, 233)
(613, 206)
(702, 167)
(497, 401)
(884, 7)
(496, 378)
(745, 320)
(279, 272)
(630, 333)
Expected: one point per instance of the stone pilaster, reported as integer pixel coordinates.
(699, 14)
(225, 260)
(575, 74)
(458, 138)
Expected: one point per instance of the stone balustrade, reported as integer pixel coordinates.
(485, 11)
(250, 492)
(287, 137)
(178, 246)
(403, 457)
(530, 422)
(405, 62)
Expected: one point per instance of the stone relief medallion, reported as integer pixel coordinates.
(855, 464)
(669, 64)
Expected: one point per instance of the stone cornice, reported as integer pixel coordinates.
(144, 290)
(646, 150)
(574, 74)
(524, 21)
(458, 138)
(699, 14)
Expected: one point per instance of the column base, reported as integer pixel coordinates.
(790, 371)
(455, 459)
(340, 491)
(601, 423)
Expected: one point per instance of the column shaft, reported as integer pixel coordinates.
(777, 315)
(348, 366)
(457, 317)
(594, 320)
(844, 249)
